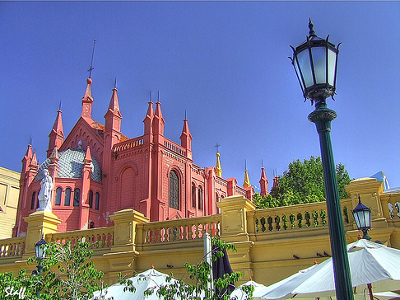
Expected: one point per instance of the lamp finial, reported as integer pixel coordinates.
(311, 27)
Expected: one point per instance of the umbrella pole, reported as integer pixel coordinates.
(208, 259)
(371, 296)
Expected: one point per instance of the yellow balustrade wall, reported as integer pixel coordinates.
(271, 243)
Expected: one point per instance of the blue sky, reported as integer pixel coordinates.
(226, 63)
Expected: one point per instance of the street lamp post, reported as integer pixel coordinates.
(362, 216)
(315, 63)
(40, 249)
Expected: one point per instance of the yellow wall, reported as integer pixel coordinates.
(268, 249)
(9, 193)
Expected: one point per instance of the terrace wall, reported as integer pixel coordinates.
(271, 243)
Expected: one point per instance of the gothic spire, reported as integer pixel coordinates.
(218, 169)
(114, 105)
(87, 101)
(113, 116)
(246, 182)
(88, 156)
(263, 183)
(56, 136)
(186, 138)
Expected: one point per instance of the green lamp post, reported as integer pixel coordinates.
(315, 63)
(40, 249)
(362, 216)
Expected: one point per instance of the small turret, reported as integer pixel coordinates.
(87, 101)
(263, 183)
(218, 169)
(56, 136)
(186, 138)
(113, 117)
(246, 182)
(247, 185)
(148, 123)
(158, 123)
(26, 160)
(53, 165)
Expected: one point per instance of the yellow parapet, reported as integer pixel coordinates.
(271, 243)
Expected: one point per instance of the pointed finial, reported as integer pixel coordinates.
(59, 106)
(217, 146)
(150, 96)
(91, 63)
(245, 165)
(115, 83)
(30, 140)
(158, 96)
(185, 115)
(311, 27)
(262, 163)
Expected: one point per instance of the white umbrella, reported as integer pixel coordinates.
(143, 281)
(284, 287)
(238, 294)
(370, 263)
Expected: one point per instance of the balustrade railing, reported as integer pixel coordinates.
(174, 147)
(180, 230)
(294, 217)
(240, 191)
(221, 181)
(12, 247)
(394, 210)
(98, 237)
(198, 170)
(128, 144)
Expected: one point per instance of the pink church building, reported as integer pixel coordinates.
(96, 171)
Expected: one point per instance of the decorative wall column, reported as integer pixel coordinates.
(369, 190)
(234, 229)
(39, 223)
(123, 253)
(371, 194)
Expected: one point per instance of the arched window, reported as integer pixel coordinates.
(33, 201)
(91, 224)
(58, 196)
(193, 195)
(77, 196)
(173, 190)
(67, 198)
(200, 191)
(97, 203)
(90, 198)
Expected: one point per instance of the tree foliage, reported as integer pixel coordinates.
(303, 182)
(200, 276)
(68, 273)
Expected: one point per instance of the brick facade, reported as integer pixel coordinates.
(135, 173)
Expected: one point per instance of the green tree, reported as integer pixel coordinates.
(68, 273)
(200, 276)
(303, 182)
